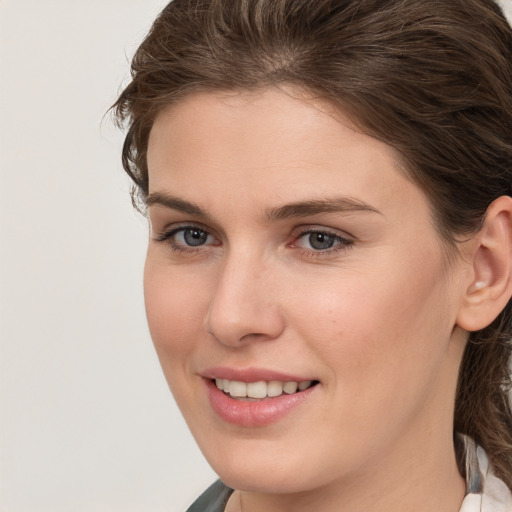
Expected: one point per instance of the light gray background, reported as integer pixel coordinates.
(87, 423)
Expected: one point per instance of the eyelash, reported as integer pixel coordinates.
(167, 237)
(342, 243)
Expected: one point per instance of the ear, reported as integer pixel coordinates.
(490, 282)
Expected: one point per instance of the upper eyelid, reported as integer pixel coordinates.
(304, 230)
(174, 227)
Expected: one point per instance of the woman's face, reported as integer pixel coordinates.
(286, 247)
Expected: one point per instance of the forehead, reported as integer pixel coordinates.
(213, 145)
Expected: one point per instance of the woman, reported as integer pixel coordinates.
(329, 267)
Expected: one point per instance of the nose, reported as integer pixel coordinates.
(245, 304)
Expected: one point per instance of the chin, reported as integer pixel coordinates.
(268, 467)
(264, 480)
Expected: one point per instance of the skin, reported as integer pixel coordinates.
(373, 318)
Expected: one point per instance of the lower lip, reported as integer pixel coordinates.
(254, 414)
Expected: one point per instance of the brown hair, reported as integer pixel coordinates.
(431, 78)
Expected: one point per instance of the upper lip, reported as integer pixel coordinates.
(251, 374)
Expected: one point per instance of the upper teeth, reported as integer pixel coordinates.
(260, 389)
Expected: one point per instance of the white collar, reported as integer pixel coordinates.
(485, 491)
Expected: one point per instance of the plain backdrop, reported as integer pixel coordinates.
(87, 423)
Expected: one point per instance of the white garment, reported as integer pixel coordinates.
(486, 492)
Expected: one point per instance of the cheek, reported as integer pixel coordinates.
(379, 332)
(175, 309)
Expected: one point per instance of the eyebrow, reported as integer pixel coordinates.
(299, 209)
(315, 207)
(176, 204)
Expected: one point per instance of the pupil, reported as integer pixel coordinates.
(195, 237)
(321, 241)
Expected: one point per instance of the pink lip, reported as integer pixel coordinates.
(250, 374)
(258, 413)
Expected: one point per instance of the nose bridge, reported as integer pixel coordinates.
(243, 306)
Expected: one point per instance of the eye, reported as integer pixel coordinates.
(321, 241)
(185, 238)
(192, 237)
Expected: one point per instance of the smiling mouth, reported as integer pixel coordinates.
(261, 390)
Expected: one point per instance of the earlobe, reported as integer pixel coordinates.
(491, 258)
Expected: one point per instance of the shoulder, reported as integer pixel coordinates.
(214, 499)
